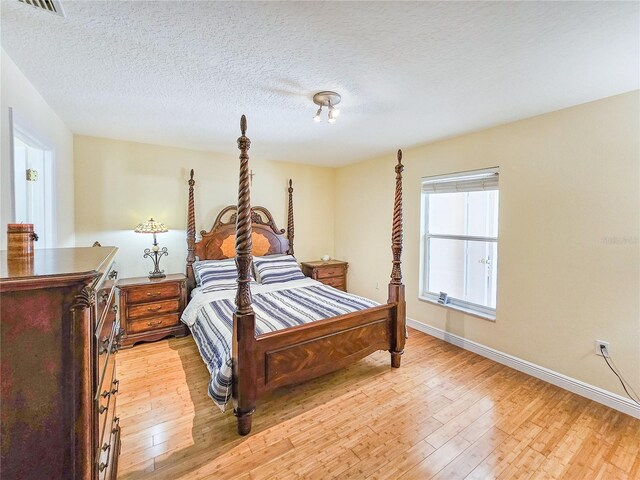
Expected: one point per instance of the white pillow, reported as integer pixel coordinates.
(277, 269)
(216, 275)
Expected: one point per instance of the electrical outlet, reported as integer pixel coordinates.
(606, 350)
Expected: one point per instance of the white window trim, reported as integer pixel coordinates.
(469, 308)
(475, 312)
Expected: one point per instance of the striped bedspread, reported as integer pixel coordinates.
(277, 306)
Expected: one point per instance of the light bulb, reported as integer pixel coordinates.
(331, 119)
(316, 117)
(336, 112)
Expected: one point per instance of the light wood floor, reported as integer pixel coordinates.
(446, 413)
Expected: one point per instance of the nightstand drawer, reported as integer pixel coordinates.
(154, 323)
(336, 282)
(153, 309)
(327, 272)
(150, 293)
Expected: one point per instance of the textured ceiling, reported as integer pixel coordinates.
(182, 73)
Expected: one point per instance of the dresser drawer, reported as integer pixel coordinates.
(105, 400)
(105, 358)
(108, 448)
(151, 293)
(327, 272)
(153, 309)
(108, 463)
(105, 291)
(154, 323)
(105, 325)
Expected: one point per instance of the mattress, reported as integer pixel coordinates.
(209, 316)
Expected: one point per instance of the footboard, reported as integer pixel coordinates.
(285, 357)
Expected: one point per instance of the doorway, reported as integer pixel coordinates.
(33, 181)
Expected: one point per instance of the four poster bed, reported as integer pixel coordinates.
(255, 337)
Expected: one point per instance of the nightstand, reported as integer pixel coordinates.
(150, 308)
(332, 272)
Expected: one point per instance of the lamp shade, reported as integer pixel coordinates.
(151, 226)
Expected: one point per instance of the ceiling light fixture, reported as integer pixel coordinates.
(329, 100)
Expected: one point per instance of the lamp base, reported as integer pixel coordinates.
(155, 255)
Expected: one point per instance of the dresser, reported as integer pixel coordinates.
(59, 337)
(331, 272)
(151, 308)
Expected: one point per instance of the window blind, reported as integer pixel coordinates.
(473, 181)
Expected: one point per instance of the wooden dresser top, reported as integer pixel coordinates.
(55, 265)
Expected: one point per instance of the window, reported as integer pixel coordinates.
(459, 260)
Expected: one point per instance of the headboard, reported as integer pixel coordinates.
(219, 242)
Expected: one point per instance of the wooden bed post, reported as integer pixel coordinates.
(191, 236)
(244, 322)
(396, 288)
(290, 219)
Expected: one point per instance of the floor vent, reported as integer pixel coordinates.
(51, 6)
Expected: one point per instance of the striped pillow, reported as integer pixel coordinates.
(217, 275)
(277, 269)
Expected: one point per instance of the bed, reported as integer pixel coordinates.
(256, 337)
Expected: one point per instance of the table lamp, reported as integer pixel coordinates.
(151, 226)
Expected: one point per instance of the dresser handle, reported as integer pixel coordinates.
(102, 409)
(116, 421)
(106, 394)
(153, 294)
(114, 309)
(104, 296)
(154, 309)
(106, 447)
(154, 324)
(113, 275)
(116, 387)
(104, 343)
(102, 466)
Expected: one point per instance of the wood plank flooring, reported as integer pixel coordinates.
(445, 414)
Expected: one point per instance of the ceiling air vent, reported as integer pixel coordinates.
(51, 6)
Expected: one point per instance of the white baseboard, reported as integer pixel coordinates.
(583, 389)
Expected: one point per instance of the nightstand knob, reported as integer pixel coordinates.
(154, 309)
(153, 294)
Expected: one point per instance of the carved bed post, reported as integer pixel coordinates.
(191, 236)
(396, 288)
(244, 322)
(290, 219)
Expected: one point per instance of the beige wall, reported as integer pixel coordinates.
(119, 184)
(19, 94)
(569, 258)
